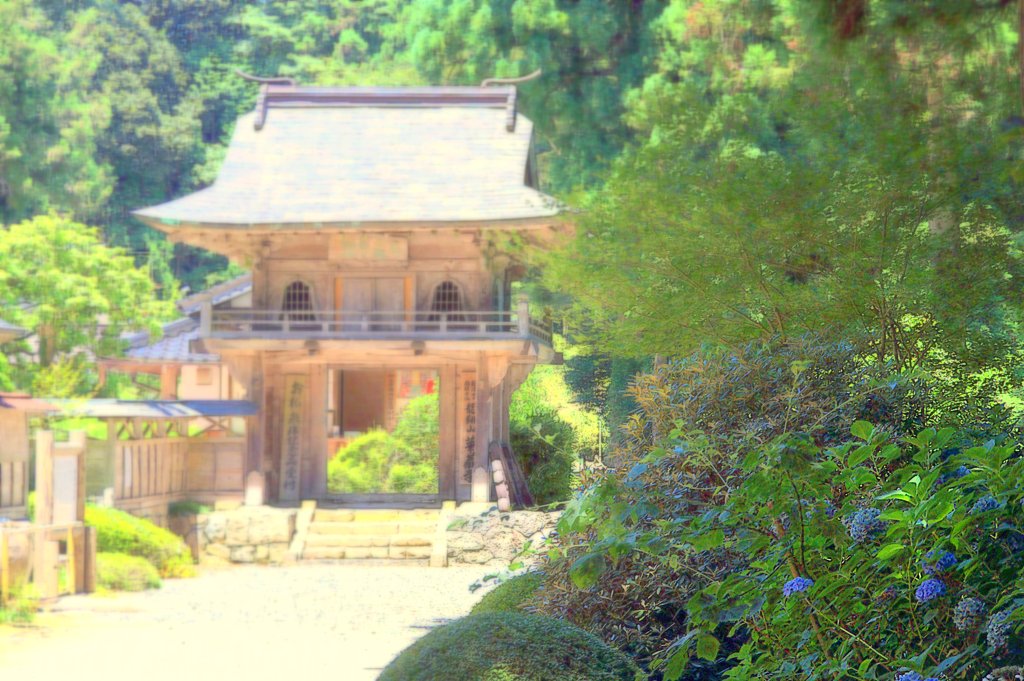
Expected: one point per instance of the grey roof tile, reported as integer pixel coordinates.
(345, 164)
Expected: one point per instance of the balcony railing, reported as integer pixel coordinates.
(350, 324)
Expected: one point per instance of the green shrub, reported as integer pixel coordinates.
(120, 532)
(30, 506)
(187, 507)
(121, 572)
(21, 606)
(868, 560)
(509, 647)
(545, 447)
(605, 571)
(510, 594)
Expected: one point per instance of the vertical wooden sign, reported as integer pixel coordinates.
(293, 435)
(467, 425)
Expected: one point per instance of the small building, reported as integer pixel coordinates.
(185, 372)
(9, 332)
(377, 224)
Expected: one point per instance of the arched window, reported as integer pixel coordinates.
(447, 298)
(298, 302)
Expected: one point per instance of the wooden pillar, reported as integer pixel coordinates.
(169, 381)
(448, 413)
(315, 473)
(483, 417)
(89, 561)
(44, 477)
(78, 441)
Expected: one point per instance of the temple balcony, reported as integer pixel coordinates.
(465, 325)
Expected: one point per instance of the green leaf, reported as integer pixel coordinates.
(862, 430)
(859, 455)
(889, 550)
(586, 569)
(707, 647)
(709, 540)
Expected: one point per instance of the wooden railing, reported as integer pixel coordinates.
(348, 324)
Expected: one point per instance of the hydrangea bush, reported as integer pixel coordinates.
(918, 574)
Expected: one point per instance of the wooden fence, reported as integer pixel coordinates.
(13, 463)
(55, 559)
(154, 468)
(56, 553)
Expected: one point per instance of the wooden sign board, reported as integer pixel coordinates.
(368, 248)
(294, 435)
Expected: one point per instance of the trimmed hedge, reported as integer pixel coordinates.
(120, 532)
(121, 572)
(510, 594)
(510, 647)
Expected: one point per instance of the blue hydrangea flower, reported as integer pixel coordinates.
(998, 629)
(984, 504)
(914, 676)
(864, 524)
(935, 562)
(796, 585)
(967, 614)
(678, 449)
(956, 474)
(930, 589)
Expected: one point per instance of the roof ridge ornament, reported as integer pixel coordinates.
(261, 98)
(511, 106)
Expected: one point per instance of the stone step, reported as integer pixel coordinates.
(356, 540)
(346, 515)
(364, 552)
(379, 528)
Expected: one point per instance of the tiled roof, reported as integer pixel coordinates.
(173, 346)
(344, 156)
(23, 402)
(156, 409)
(9, 331)
(220, 293)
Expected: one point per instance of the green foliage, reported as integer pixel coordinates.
(880, 602)
(785, 188)
(404, 461)
(610, 571)
(21, 606)
(186, 507)
(510, 595)
(120, 532)
(509, 646)
(70, 279)
(122, 572)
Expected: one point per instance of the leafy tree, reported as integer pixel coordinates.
(77, 295)
(47, 124)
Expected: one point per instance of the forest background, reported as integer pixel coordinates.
(746, 169)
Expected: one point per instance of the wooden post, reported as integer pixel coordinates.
(5, 569)
(72, 574)
(78, 440)
(44, 477)
(523, 315)
(89, 561)
(169, 381)
(448, 413)
(483, 424)
(205, 319)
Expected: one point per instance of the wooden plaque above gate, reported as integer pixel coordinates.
(375, 248)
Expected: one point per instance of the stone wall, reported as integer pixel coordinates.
(249, 534)
(495, 538)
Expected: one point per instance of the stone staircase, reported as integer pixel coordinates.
(355, 533)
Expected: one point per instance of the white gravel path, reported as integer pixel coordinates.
(340, 622)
